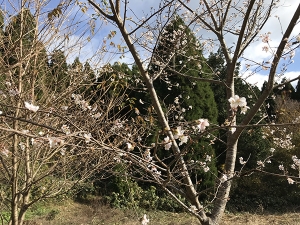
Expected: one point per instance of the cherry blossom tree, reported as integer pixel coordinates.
(221, 23)
(52, 138)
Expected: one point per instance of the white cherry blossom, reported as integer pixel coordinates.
(31, 107)
(129, 146)
(208, 158)
(237, 101)
(281, 167)
(183, 139)
(178, 132)
(202, 124)
(260, 163)
(168, 144)
(87, 137)
(206, 169)
(290, 180)
(145, 220)
(242, 161)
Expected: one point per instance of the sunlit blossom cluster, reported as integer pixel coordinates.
(281, 138)
(81, 102)
(168, 143)
(290, 180)
(260, 163)
(5, 152)
(65, 128)
(201, 124)
(284, 141)
(87, 137)
(241, 160)
(129, 146)
(265, 38)
(204, 164)
(31, 107)
(296, 164)
(238, 102)
(151, 164)
(55, 142)
(179, 134)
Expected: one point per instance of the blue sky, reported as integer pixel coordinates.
(254, 52)
(141, 8)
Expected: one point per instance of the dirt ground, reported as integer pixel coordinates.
(73, 213)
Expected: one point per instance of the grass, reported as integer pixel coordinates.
(95, 213)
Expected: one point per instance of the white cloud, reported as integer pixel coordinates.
(258, 79)
(255, 79)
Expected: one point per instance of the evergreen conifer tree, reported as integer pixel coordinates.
(185, 98)
(21, 45)
(19, 36)
(59, 79)
(89, 73)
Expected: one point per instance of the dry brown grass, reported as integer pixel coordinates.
(262, 219)
(95, 213)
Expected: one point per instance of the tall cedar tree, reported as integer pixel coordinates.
(195, 98)
(14, 36)
(112, 81)
(24, 42)
(59, 79)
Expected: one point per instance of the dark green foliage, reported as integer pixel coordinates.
(285, 91)
(264, 192)
(19, 38)
(185, 97)
(59, 78)
(20, 44)
(123, 192)
(24, 20)
(88, 72)
(1, 34)
(191, 93)
(113, 81)
(76, 66)
(40, 72)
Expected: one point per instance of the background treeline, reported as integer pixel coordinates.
(192, 99)
(184, 97)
